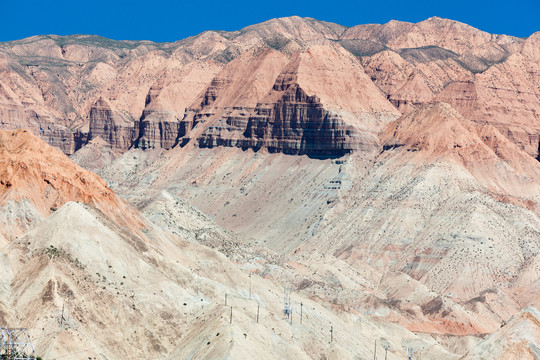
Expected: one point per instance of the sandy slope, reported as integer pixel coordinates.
(136, 298)
(125, 293)
(438, 232)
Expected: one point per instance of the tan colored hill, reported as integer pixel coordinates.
(438, 231)
(439, 132)
(86, 285)
(518, 339)
(435, 31)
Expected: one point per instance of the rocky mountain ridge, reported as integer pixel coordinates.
(261, 86)
(35, 180)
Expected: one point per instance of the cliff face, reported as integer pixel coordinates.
(110, 125)
(222, 89)
(16, 113)
(296, 124)
(156, 129)
(318, 103)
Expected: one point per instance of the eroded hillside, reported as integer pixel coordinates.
(388, 174)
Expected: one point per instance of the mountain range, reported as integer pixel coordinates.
(388, 174)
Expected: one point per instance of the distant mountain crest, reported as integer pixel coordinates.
(371, 73)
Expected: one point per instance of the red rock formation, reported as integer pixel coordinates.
(224, 81)
(438, 131)
(321, 103)
(487, 78)
(17, 114)
(156, 129)
(166, 104)
(110, 125)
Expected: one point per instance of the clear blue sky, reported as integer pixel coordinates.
(168, 20)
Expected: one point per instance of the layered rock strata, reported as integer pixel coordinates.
(217, 88)
(296, 124)
(110, 125)
(157, 127)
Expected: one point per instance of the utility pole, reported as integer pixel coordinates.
(69, 305)
(250, 285)
(15, 343)
(290, 291)
(301, 305)
(291, 314)
(331, 334)
(231, 316)
(62, 315)
(198, 276)
(386, 347)
(375, 353)
(258, 313)
(287, 301)
(225, 299)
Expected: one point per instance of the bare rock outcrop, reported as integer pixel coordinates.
(319, 103)
(110, 125)
(156, 129)
(158, 126)
(487, 78)
(18, 113)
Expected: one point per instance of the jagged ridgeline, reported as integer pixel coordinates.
(291, 85)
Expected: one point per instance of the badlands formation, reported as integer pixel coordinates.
(388, 174)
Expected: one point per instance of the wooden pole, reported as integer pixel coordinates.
(291, 314)
(69, 305)
(375, 353)
(258, 313)
(231, 315)
(301, 305)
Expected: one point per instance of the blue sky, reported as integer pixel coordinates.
(166, 20)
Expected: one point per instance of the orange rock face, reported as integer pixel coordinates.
(36, 179)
